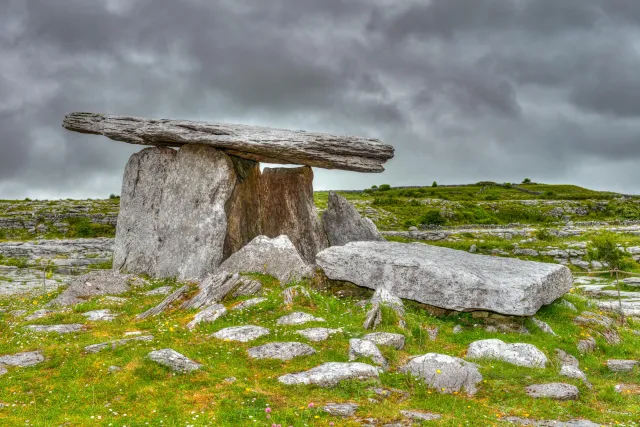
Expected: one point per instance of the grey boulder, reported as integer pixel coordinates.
(331, 373)
(281, 350)
(387, 339)
(341, 409)
(317, 334)
(615, 365)
(174, 360)
(364, 348)
(209, 314)
(343, 224)
(448, 278)
(28, 358)
(60, 329)
(517, 354)
(446, 374)
(244, 333)
(298, 318)
(556, 391)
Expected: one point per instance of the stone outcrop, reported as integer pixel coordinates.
(448, 278)
(250, 142)
(343, 224)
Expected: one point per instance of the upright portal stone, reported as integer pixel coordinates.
(286, 203)
(343, 223)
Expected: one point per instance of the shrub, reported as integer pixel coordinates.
(384, 187)
(432, 217)
(435, 184)
(526, 181)
(388, 200)
(604, 247)
(113, 196)
(374, 187)
(544, 234)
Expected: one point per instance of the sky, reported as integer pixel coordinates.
(465, 90)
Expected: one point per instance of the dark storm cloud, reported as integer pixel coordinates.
(466, 90)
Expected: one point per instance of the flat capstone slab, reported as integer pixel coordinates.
(556, 391)
(281, 350)
(27, 358)
(241, 333)
(174, 360)
(61, 329)
(298, 318)
(331, 373)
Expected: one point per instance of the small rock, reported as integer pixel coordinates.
(298, 318)
(39, 314)
(281, 350)
(621, 365)
(373, 318)
(112, 369)
(587, 346)
(444, 373)
(420, 416)
(61, 329)
(568, 305)
(549, 423)
(517, 354)
(566, 359)
(97, 315)
(3, 371)
(573, 372)
(162, 290)
(365, 348)
(457, 329)
(543, 326)
(588, 318)
(341, 409)
(557, 391)
(248, 303)
(241, 333)
(94, 348)
(28, 358)
(433, 332)
(318, 334)
(331, 373)
(209, 314)
(387, 339)
(174, 360)
(230, 380)
(292, 292)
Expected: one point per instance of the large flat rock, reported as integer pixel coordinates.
(448, 278)
(250, 142)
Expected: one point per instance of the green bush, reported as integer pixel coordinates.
(113, 196)
(386, 201)
(384, 187)
(432, 217)
(604, 247)
(544, 234)
(526, 181)
(435, 184)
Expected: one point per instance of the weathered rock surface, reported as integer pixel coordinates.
(281, 350)
(250, 142)
(365, 348)
(298, 318)
(287, 208)
(61, 329)
(213, 289)
(95, 348)
(100, 315)
(550, 423)
(622, 365)
(317, 334)
(293, 292)
(28, 358)
(557, 391)
(517, 354)
(166, 303)
(343, 224)
(331, 373)
(241, 333)
(420, 416)
(448, 278)
(209, 314)
(174, 360)
(587, 345)
(95, 283)
(543, 326)
(276, 257)
(444, 373)
(162, 290)
(248, 303)
(341, 409)
(387, 339)
(39, 314)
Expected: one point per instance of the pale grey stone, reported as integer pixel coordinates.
(556, 391)
(587, 345)
(213, 289)
(95, 348)
(3, 371)
(550, 423)
(420, 416)
(170, 299)
(61, 329)
(448, 278)
(566, 359)
(517, 354)
(277, 257)
(17, 313)
(39, 314)
(331, 373)
(298, 318)
(457, 329)
(162, 290)
(248, 303)
(446, 374)
(543, 326)
(95, 283)
(573, 372)
(100, 315)
(281, 350)
(341, 409)
(174, 360)
(247, 287)
(387, 339)
(365, 348)
(28, 358)
(385, 297)
(241, 333)
(113, 369)
(615, 365)
(317, 334)
(569, 305)
(373, 317)
(343, 224)
(292, 292)
(594, 319)
(209, 314)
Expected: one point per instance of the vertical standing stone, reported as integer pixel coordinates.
(286, 203)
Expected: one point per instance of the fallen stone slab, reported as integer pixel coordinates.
(343, 224)
(213, 289)
(566, 359)
(256, 143)
(365, 348)
(420, 416)
(95, 348)
(298, 318)
(95, 283)
(331, 373)
(174, 360)
(615, 365)
(448, 278)
(318, 334)
(588, 318)
(61, 329)
(445, 374)
(277, 257)
(341, 409)
(166, 303)
(387, 339)
(556, 391)
(209, 314)
(550, 423)
(248, 303)
(25, 359)
(281, 350)
(517, 354)
(574, 372)
(241, 333)
(100, 315)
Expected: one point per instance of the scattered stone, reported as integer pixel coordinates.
(588, 318)
(3, 371)
(568, 305)
(162, 290)
(549, 423)
(173, 360)
(39, 314)
(420, 416)
(293, 292)
(543, 326)
(331, 373)
(433, 332)
(230, 380)
(517, 354)
(241, 333)
(365, 348)
(341, 409)
(627, 389)
(248, 303)
(113, 369)
(566, 359)
(444, 373)
(276, 257)
(25, 359)
(209, 314)
(448, 278)
(213, 289)
(100, 315)
(61, 329)
(611, 336)
(298, 318)
(95, 283)
(176, 295)
(281, 350)
(317, 334)
(574, 372)
(387, 339)
(557, 391)
(373, 317)
(587, 346)
(620, 365)
(457, 329)
(17, 313)
(343, 224)
(95, 348)
(247, 287)
(387, 298)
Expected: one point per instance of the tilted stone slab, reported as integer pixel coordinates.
(448, 278)
(256, 143)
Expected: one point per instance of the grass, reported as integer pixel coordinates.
(72, 388)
